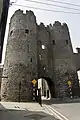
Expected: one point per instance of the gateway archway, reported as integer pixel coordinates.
(46, 88)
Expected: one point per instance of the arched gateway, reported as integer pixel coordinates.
(46, 86)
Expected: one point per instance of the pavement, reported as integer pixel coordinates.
(24, 111)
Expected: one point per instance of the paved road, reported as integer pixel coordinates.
(23, 111)
(68, 111)
(8, 115)
(33, 111)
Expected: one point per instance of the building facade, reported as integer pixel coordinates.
(35, 51)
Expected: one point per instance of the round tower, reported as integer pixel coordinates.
(64, 67)
(20, 66)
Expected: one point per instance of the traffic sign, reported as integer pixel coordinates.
(34, 82)
(69, 83)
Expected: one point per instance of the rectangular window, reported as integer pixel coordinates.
(53, 42)
(67, 42)
(26, 31)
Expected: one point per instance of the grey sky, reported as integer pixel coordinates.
(73, 21)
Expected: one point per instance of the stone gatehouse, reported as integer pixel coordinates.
(38, 51)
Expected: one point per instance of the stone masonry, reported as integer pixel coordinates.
(35, 51)
(21, 58)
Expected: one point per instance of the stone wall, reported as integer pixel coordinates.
(64, 66)
(21, 58)
(44, 52)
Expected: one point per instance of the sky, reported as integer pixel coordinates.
(72, 20)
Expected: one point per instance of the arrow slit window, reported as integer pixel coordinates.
(28, 47)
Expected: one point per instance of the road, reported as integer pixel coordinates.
(65, 111)
(70, 110)
(23, 111)
(8, 115)
(33, 111)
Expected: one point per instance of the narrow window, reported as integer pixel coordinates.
(67, 42)
(11, 32)
(43, 47)
(31, 60)
(53, 42)
(28, 48)
(26, 31)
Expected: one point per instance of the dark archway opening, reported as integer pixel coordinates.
(50, 85)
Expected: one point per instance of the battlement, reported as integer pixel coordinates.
(29, 11)
(42, 25)
(57, 23)
(60, 25)
(20, 12)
